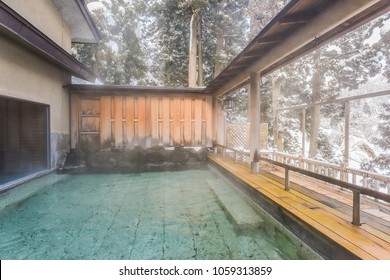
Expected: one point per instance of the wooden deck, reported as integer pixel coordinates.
(362, 242)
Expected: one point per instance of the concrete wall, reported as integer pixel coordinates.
(41, 12)
(27, 76)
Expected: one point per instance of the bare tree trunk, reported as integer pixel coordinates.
(218, 67)
(200, 56)
(192, 53)
(315, 111)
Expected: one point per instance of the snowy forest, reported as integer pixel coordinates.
(189, 42)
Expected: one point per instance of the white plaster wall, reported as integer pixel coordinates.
(44, 15)
(26, 76)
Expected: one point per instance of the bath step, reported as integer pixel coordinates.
(235, 206)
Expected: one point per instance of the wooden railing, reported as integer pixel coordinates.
(358, 177)
(328, 177)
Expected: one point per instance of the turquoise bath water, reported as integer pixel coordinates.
(161, 215)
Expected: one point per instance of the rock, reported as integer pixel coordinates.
(156, 154)
(137, 155)
(103, 159)
(179, 156)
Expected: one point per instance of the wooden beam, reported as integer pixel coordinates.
(339, 100)
(327, 25)
(346, 133)
(274, 39)
(254, 113)
(134, 90)
(303, 129)
(298, 18)
(239, 66)
(219, 122)
(254, 53)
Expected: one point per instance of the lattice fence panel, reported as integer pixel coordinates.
(237, 136)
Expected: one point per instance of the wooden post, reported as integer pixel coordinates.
(275, 96)
(219, 122)
(356, 208)
(286, 179)
(276, 132)
(303, 129)
(255, 164)
(254, 113)
(346, 133)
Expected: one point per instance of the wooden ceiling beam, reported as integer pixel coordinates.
(274, 39)
(328, 24)
(298, 18)
(254, 53)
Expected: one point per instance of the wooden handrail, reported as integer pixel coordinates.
(357, 190)
(343, 184)
(335, 167)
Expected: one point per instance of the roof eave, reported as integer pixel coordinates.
(77, 16)
(88, 18)
(16, 27)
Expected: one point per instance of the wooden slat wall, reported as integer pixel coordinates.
(127, 121)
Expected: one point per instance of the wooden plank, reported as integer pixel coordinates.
(141, 108)
(362, 242)
(181, 121)
(209, 121)
(89, 107)
(187, 122)
(327, 194)
(118, 114)
(105, 121)
(198, 121)
(166, 120)
(148, 128)
(74, 121)
(364, 239)
(264, 188)
(129, 136)
(176, 133)
(89, 124)
(154, 116)
(192, 122)
(160, 121)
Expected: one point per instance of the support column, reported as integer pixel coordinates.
(219, 123)
(344, 173)
(303, 129)
(254, 113)
(275, 96)
(346, 133)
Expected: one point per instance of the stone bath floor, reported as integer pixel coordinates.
(161, 215)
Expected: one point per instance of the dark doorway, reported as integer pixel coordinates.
(24, 142)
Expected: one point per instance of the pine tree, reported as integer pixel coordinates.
(119, 58)
(345, 63)
(382, 161)
(172, 37)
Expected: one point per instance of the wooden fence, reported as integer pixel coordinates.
(128, 120)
